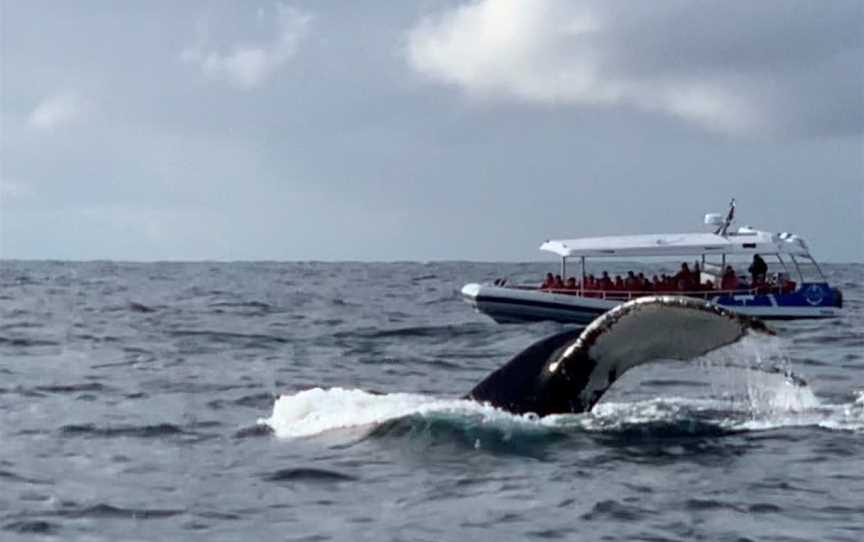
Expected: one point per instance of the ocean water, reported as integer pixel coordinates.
(321, 401)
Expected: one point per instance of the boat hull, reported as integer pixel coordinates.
(517, 305)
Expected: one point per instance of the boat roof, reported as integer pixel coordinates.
(744, 241)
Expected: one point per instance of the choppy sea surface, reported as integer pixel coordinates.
(320, 401)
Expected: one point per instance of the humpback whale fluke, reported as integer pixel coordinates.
(569, 372)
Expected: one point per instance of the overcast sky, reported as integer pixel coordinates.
(422, 130)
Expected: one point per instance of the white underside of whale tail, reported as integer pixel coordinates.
(653, 329)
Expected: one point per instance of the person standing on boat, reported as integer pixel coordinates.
(684, 278)
(758, 269)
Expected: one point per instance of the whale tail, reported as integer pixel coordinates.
(569, 372)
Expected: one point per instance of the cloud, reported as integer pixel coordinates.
(11, 190)
(762, 70)
(56, 111)
(249, 66)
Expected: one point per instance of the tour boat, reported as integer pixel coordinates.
(772, 296)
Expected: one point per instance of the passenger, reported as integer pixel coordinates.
(589, 284)
(729, 281)
(630, 283)
(684, 279)
(619, 283)
(656, 285)
(605, 282)
(697, 276)
(559, 283)
(643, 282)
(548, 282)
(571, 284)
(757, 270)
(668, 283)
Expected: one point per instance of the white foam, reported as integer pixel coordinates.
(849, 417)
(833, 417)
(768, 394)
(318, 410)
(770, 403)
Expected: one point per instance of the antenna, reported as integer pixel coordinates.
(730, 216)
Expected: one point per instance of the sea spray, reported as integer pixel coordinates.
(757, 378)
(319, 410)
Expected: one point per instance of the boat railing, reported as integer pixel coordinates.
(625, 295)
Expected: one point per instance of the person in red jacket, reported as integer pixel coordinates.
(605, 282)
(684, 278)
(729, 281)
(559, 283)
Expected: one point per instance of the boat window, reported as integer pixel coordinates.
(810, 271)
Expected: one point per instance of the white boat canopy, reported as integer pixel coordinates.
(744, 241)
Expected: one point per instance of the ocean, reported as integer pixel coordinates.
(321, 401)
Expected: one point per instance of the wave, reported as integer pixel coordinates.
(255, 400)
(103, 510)
(72, 388)
(30, 524)
(311, 475)
(429, 331)
(243, 305)
(319, 410)
(32, 527)
(142, 431)
(256, 339)
(140, 307)
(13, 477)
(26, 343)
(765, 407)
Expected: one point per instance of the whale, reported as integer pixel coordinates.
(568, 373)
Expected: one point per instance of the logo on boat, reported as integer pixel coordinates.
(814, 294)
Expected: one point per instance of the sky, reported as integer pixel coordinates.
(427, 130)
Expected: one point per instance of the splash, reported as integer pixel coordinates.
(318, 410)
(757, 378)
(848, 417)
(753, 389)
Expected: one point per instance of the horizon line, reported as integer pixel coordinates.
(350, 260)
